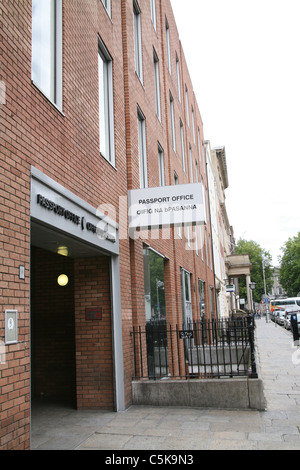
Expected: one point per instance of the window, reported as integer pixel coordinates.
(142, 149)
(201, 288)
(154, 285)
(168, 45)
(186, 298)
(138, 40)
(176, 181)
(178, 77)
(106, 112)
(191, 163)
(161, 166)
(107, 4)
(187, 106)
(196, 166)
(155, 308)
(182, 145)
(199, 145)
(46, 69)
(172, 123)
(157, 84)
(153, 13)
(193, 122)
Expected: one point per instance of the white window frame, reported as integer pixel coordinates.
(106, 108)
(138, 40)
(142, 149)
(172, 122)
(196, 167)
(53, 89)
(187, 105)
(107, 6)
(153, 13)
(176, 181)
(178, 78)
(199, 145)
(193, 124)
(182, 145)
(168, 46)
(161, 166)
(157, 84)
(191, 163)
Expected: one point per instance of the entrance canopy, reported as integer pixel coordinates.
(237, 266)
(59, 217)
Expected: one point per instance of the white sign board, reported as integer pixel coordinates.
(166, 206)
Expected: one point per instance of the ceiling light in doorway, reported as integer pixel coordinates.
(62, 250)
(62, 280)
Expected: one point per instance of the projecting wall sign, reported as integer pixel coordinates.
(167, 206)
(11, 326)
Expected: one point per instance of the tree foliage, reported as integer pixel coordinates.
(256, 255)
(289, 273)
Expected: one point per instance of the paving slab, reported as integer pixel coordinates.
(177, 428)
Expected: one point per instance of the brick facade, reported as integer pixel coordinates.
(64, 145)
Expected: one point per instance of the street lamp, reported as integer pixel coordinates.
(252, 287)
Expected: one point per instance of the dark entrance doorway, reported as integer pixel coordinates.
(53, 367)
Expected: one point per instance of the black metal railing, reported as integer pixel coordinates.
(202, 349)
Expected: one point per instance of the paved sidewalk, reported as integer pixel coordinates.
(169, 428)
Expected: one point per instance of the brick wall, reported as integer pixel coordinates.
(94, 361)
(65, 146)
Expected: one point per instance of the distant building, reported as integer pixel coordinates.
(277, 291)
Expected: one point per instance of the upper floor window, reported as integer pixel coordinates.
(193, 123)
(157, 85)
(191, 163)
(46, 70)
(153, 13)
(142, 149)
(138, 40)
(168, 45)
(106, 109)
(178, 77)
(172, 122)
(187, 106)
(107, 4)
(161, 166)
(182, 145)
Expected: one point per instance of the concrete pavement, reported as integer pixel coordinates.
(171, 428)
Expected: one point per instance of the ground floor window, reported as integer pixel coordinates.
(154, 283)
(155, 306)
(186, 297)
(201, 288)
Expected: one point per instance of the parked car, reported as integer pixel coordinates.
(287, 321)
(289, 311)
(275, 314)
(279, 316)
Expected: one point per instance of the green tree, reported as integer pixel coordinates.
(256, 255)
(289, 273)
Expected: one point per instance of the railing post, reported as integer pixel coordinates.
(250, 320)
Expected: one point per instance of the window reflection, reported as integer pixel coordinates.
(43, 46)
(154, 286)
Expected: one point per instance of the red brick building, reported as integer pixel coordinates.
(96, 100)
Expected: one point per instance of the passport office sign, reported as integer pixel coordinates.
(166, 206)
